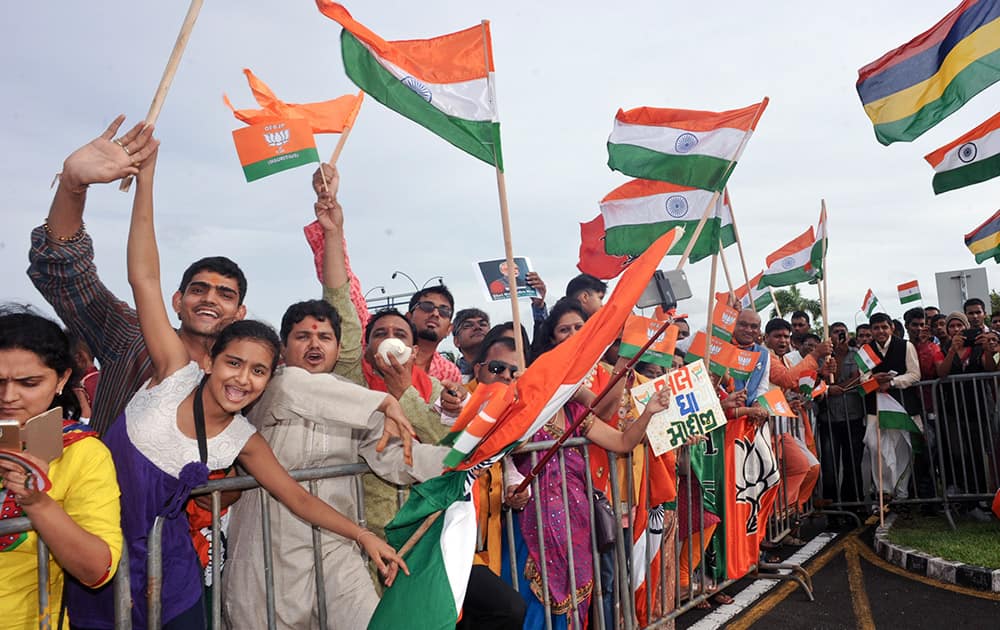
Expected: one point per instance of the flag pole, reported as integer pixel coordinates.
(725, 270)
(515, 312)
(774, 300)
(168, 74)
(881, 494)
(726, 174)
(823, 296)
(739, 244)
(708, 324)
(348, 126)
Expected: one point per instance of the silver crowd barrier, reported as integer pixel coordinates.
(123, 613)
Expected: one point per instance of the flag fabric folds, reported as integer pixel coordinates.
(440, 562)
(638, 330)
(444, 84)
(817, 257)
(553, 378)
(866, 358)
(972, 158)
(723, 320)
(908, 292)
(686, 147)
(984, 241)
(757, 297)
(869, 304)
(914, 87)
(892, 415)
(791, 263)
(639, 211)
(775, 403)
(593, 257)
(268, 148)
(331, 116)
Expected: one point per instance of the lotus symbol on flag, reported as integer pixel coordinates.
(780, 408)
(422, 90)
(743, 360)
(277, 139)
(677, 206)
(728, 318)
(654, 327)
(968, 152)
(787, 262)
(685, 142)
(756, 473)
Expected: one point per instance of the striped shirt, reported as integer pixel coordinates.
(65, 275)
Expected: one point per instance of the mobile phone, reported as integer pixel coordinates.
(842, 336)
(42, 435)
(665, 289)
(10, 436)
(970, 337)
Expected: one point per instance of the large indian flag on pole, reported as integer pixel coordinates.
(869, 304)
(443, 83)
(972, 158)
(757, 297)
(686, 147)
(819, 249)
(791, 263)
(640, 211)
(909, 292)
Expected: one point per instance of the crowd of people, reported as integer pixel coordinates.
(335, 384)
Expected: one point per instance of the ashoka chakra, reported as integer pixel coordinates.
(967, 152)
(418, 87)
(685, 142)
(787, 262)
(677, 206)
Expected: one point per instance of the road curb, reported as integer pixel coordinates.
(948, 571)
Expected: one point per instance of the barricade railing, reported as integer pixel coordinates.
(684, 568)
(49, 618)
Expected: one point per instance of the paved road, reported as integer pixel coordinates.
(854, 588)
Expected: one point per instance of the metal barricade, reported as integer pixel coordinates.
(120, 582)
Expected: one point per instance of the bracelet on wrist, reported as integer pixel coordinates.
(364, 531)
(74, 237)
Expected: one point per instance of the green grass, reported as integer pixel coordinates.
(972, 543)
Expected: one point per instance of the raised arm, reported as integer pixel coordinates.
(166, 350)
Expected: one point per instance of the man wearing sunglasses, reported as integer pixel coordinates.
(430, 310)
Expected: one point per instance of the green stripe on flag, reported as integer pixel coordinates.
(632, 240)
(278, 163)
(650, 356)
(699, 171)
(786, 278)
(480, 139)
(897, 420)
(910, 298)
(967, 175)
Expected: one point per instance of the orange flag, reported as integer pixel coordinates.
(637, 332)
(324, 117)
(776, 404)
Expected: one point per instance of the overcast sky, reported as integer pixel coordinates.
(416, 204)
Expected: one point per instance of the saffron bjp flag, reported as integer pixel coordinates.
(272, 147)
(909, 292)
(972, 158)
(594, 260)
(639, 211)
(333, 116)
(984, 241)
(638, 330)
(791, 263)
(724, 357)
(869, 304)
(515, 412)
(910, 89)
(892, 415)
(866, 359)
(440, 562)
(758, 298)
(444, 84)
(723, 320)
(817, 257)
(775, 403)
(739, 475)
(686, 147)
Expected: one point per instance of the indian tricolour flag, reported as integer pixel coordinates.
(640, 211)
(892, 415)
(866, 358)
(869, 304)
(443, 83)
(908, 292)
(686, 147)
(791, 263)
(757, 297)
(819, 249)
(972, 158)
(268, 148)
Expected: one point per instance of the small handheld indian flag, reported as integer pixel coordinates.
(869, 386)
(775, 403)
(820, 389)
(866, 358)
(908, 292)
(869, 304)
(807, 380)
(276, 146)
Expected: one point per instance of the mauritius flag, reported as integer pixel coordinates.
(268, 148)
(443, 83)
(739, 476)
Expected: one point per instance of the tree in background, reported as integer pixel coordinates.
(791, 299)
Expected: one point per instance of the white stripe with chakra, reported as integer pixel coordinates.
(969, 152)
(468, 100)
(721, 143)
(672, 206)
(792, 261)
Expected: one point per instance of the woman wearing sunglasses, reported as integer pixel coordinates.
(565, 320)
(77, 517)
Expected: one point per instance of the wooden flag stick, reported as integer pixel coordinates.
(739, 247)
(881, 493)
(168, 74)
(711, 300)
(725, 270)
(698, 228)
(774, 300)
(826, 271)
(348, 125)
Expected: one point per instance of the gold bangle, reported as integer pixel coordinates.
(76, 236)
